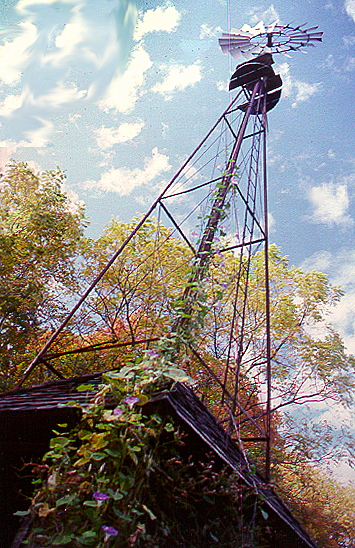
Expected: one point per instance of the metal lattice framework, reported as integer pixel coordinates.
(212, 213)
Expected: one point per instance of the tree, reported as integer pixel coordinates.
(141, 295)
(41, 231)
(309, 361)
(131, 305)
(324, 506)
(139, 290)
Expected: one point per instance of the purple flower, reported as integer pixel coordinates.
(109, 531)
(153, 354)
(223, 285)
(131, 400)
(223, 265)
(118, 411)
(100, 497)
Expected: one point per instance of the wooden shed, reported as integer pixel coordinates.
(28, 416)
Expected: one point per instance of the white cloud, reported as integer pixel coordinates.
(271, 222)
(75, 204)
(349, 6)
(39, 137)
(164, 129)
(304, 91)
(330, 63)
(343, 318)
(124, 180)
(60, 96)
(35, 166)
(73, 117)
(177, 77)
(64, 55)
(349, 40)
(331, 204)
(269, 15)
(300, 91)
(320, 261)
(349, 64)
(108, 136)
(6, 154)
(15, 53)
(330, 6)
(166, 18)
(34, 138)
(10, 104)
(55, 41)
(23, 5)
(125, 89)
(74, 33)
(10, 143)
(222, 86)
(340, 268)
(209, 32)
(284, 71)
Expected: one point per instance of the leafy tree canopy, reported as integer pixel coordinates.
(40, 235)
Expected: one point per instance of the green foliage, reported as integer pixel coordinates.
(40, 234)
(309, 361)
(136, 295)
(123, 478)
(325, 507)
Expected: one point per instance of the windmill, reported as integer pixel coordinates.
(224, 181)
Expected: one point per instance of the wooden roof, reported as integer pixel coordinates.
(195, 414)
(50, 395)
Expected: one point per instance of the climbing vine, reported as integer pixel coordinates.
(123, 477)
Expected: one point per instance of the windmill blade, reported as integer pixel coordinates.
(300, 27)
(259, 28)
(234, 44)
(283, 53)
(239, 32)
(235, 50)
(254, 31)
(316, 36)
(234, 41)
(252, 53)
(311, 29)
(271, 27)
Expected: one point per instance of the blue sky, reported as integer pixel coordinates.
(118, 94)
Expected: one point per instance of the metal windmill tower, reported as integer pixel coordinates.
(222, 190)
